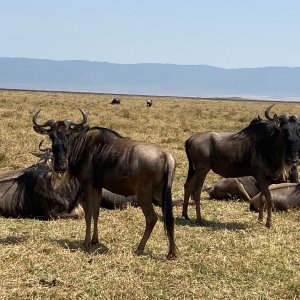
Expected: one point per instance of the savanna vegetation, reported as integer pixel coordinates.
(231, 257)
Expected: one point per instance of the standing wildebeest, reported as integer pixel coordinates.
(149, 103)
(262, 150)
(284, 196)
(101, 158)
(115, 101)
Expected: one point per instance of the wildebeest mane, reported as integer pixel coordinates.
(86, 144)
(263, 136)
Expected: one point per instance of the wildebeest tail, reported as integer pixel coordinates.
(191, 170)
(167, 207)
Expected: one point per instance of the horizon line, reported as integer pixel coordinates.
(144, 63)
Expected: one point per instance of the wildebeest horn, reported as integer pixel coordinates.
(43, 149)
(84, 119)
(267, 113)
(49, 123)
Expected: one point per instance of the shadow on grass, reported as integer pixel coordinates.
(213, 225)
(13, 240)
(75, 246)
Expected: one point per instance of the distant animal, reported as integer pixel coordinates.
(101, 158)
(285, 196)
(115, 101)
(263, 150)
(149, 103)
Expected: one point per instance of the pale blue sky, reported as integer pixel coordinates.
(223, 33)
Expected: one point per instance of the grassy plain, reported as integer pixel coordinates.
(232, 257)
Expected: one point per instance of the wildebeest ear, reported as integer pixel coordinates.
(276, 120)
(40, 130)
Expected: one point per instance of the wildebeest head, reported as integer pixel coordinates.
(290, 132)
(59, 132)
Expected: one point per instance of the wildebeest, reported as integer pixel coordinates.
(101, 158)
(234, 188)
(149, 103)
(284, 195)
(243, 188)
(262, 150)
(111, 200)
(115, 101)
(27, 193)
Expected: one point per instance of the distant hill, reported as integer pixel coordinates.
(150, 79)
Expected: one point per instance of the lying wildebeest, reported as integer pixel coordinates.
(243, 188)
(284, 195)
(101, 158)
(27, 193)
(149, 103)
(234, 188)
(262, 150)
(115, 101)
(111, 200)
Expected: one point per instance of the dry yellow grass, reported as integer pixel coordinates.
(233, 257)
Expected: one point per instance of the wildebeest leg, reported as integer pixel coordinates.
(269, 207)
(96, 209)
(261, 208)
(88, 206)
(194, 186)
(188, 190)
(200, 177)
(242, 190)
(264, 187)
(151, 219)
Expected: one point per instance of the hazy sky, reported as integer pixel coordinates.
(223, 33)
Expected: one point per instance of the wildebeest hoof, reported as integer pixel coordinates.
(94, 243)
(139, 252)
(171, 256)
(186, 217)
(268, 225)
(200, 222)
